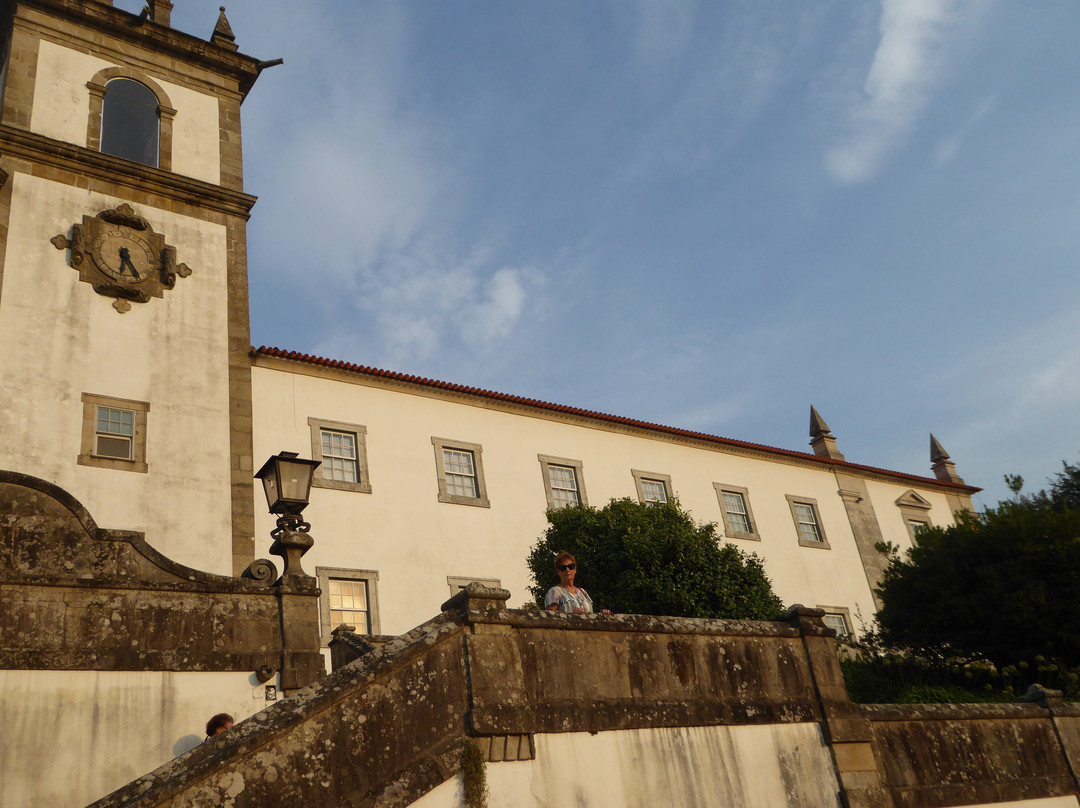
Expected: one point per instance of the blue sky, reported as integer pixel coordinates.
(708, 215)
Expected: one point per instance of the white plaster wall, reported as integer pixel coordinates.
(770, 766)
(62, 107)
(893, 524)
(414, 541)
(70, 737)
(60, 339)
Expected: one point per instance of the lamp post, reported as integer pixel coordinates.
(286, 480)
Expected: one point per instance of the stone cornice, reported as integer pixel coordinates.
(125, 26)
(18, 143)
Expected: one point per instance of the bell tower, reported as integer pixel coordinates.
(124, 336)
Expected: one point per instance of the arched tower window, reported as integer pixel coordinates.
(131, 117)
(129, 122)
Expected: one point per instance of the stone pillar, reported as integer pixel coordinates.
(1066, 720)
(847, 731)
(864, 527)
(298, 610)
(161, 11)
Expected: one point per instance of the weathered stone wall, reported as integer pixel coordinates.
(76, 597)
(388, 727)
(962, 754)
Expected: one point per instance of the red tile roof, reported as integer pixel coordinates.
(378, 373)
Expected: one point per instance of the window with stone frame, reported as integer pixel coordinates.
(915, 511)
(342, 450)
(114, 433)
(808, 526)
(348, 596)
(838, 618)
(735, 509)
(652, 487)
(131, 117)
(563, 484)
(460, 471)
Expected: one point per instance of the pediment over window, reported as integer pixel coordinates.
(910, 499)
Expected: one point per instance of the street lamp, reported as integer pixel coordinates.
(286, 480)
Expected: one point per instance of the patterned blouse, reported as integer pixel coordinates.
(569, 603)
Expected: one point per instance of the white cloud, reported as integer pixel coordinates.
(914, 34)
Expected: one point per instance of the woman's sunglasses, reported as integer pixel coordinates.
(565, 567)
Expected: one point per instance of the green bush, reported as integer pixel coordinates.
(637, 558)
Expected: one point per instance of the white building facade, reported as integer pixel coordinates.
(424, 484)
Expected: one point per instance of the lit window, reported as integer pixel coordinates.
(348, 604)
(461, 473)
(807, 522)
(339, 456)
(114, 433)
(342, 450)
(129, 122)
(350, 597)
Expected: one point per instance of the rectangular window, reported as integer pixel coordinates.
(735, 508)
(651, 487)
(838, 621)
(916, 527)
(563, 486)
(653, 491)
(339, 456)
(461, 472)
(349, 597)
(807, 522)
(562, 481)
(342, 449)
(114, 433)
(349, 604)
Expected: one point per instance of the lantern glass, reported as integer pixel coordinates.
(286, 480)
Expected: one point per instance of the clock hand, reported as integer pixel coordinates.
(125, 261)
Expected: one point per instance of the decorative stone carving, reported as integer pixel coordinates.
(261, 569)
(118, 253)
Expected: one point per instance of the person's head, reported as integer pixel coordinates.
(566, 566)
(218, 724)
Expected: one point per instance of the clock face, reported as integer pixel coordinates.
(124, 254)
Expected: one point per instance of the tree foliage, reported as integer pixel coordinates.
(635, 558)
(1002, 585)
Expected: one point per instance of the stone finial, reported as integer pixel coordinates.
(223, 33)
(821, 439)
(161, 11)
(291, 543)
(944, 469)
